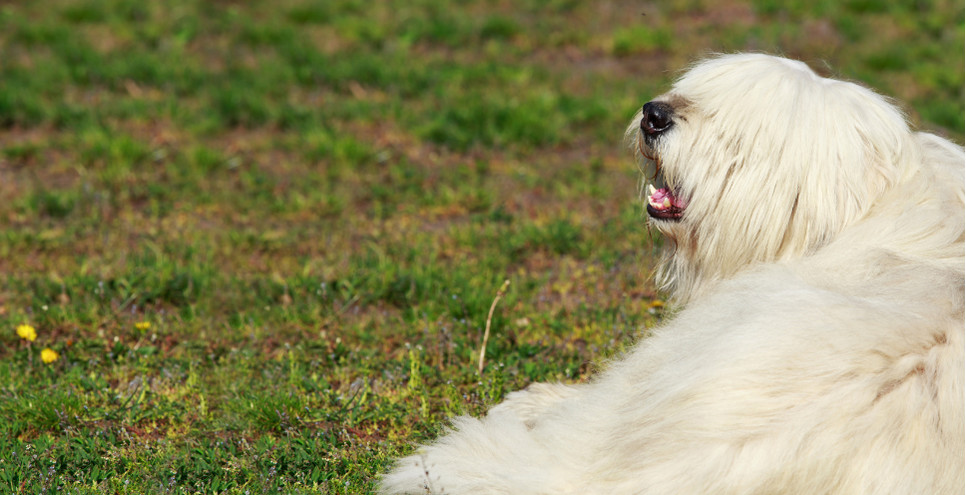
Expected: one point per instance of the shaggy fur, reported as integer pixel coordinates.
(820, 261)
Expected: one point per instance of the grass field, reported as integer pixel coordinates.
(263, 238)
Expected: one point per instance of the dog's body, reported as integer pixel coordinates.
(818, 246)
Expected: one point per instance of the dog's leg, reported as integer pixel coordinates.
(501, 453)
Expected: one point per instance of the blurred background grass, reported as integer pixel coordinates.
(263, 237)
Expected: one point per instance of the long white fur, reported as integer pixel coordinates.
(821, 346)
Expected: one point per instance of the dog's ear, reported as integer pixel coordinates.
(849, 148)
(870, 145)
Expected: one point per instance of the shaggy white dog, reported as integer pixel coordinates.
(818, 251)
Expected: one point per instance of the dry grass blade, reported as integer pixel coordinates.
(489, 320)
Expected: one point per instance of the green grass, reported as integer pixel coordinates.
(264, 237)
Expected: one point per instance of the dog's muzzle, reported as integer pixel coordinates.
(663, 202)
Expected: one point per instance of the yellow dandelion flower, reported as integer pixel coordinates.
(49, 355)
(143, 325)
(27, 333)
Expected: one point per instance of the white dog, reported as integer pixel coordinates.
(818, 251)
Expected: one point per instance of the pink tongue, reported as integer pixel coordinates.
(657, 199)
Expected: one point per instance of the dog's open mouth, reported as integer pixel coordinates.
(663, 203)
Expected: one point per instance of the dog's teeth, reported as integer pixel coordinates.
(651, 190)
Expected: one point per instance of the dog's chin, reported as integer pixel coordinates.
(671, 214)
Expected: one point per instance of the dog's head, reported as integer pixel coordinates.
(752, 158)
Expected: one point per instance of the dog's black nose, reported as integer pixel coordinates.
(657, 118)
